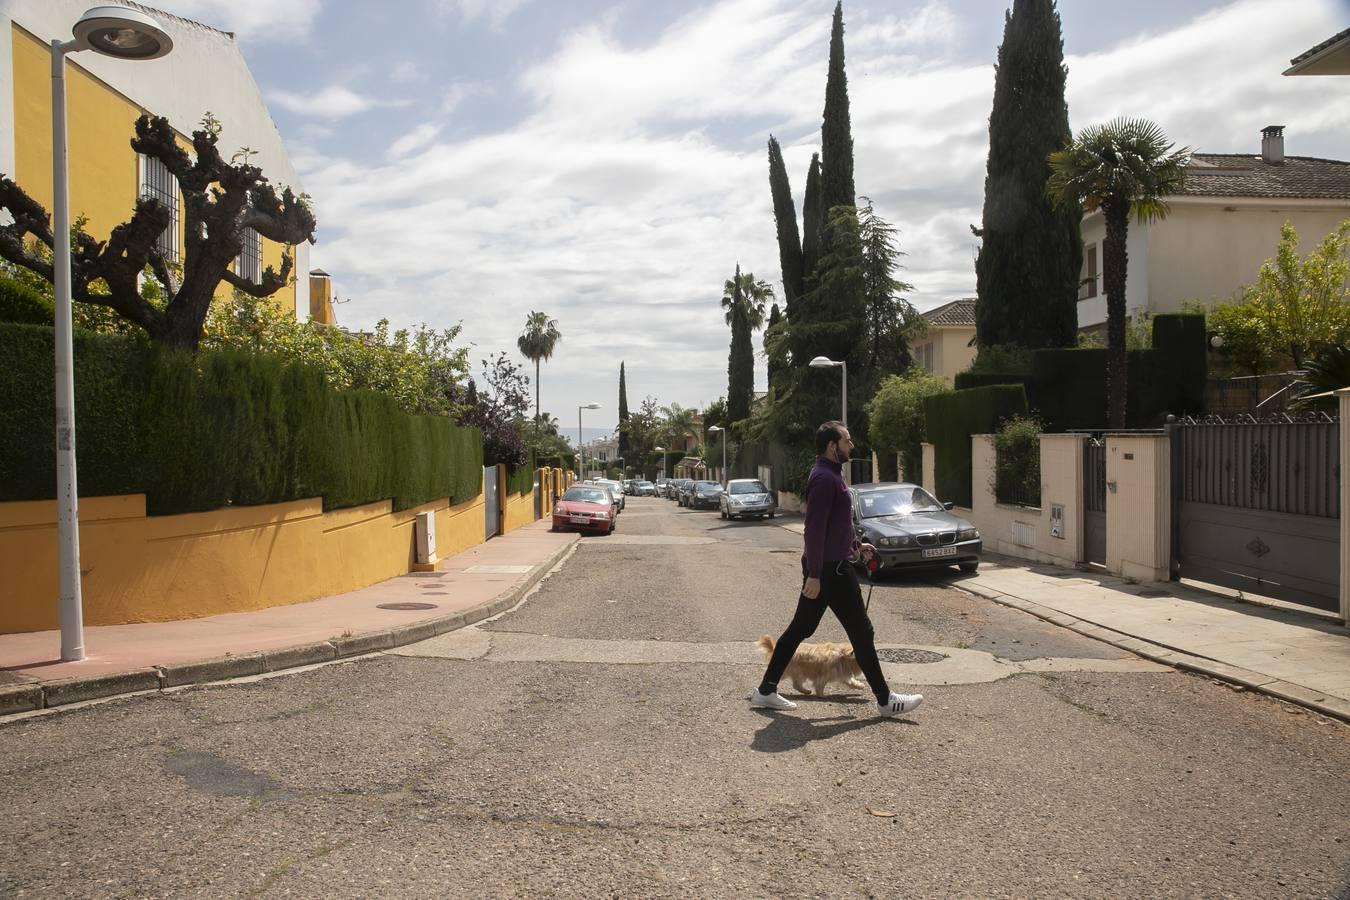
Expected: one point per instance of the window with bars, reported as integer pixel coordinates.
(158, 182)
(1087, 288)
(248, 264)
(924, 355)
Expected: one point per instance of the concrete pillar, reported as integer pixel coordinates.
(930, 469)
(1139, 505)
(1343, 396)
(983, 460)
(1062, 490)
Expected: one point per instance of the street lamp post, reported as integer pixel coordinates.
(121, 33)
(719, 428)
(824, 362)
(580, 450)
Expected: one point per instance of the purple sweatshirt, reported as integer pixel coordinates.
(829, 517)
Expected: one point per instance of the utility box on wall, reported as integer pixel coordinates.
(425, 537)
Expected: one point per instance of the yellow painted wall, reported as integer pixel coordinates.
(519, 511)
(100, 123)
(142, 569)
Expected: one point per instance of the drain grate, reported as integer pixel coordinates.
(405, 606)
(907, 655)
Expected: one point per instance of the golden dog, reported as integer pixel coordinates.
(817, 665)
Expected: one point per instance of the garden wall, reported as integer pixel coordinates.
(140, 568)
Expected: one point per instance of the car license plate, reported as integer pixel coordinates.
(939, 552)
(580, 520)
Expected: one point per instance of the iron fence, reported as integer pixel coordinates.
(1289, 466)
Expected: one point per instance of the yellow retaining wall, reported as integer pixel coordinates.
(519, 511)
(154, 569)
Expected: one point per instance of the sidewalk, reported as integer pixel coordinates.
(1290, 655)
(1295, 656)
(465, 588)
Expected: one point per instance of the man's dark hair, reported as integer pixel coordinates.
(827, 434)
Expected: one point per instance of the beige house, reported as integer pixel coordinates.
(949, 346)
(1222, 226)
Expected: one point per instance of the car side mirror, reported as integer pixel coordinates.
(949, 505)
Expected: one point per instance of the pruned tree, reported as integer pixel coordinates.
(220, 200)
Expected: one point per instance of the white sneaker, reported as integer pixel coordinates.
(899, 704)
(770, 701)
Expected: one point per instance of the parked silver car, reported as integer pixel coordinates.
(910, 528)
(747, 497)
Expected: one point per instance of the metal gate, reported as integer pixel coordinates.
(1094, 500)
(492, 520)
(1257, 507)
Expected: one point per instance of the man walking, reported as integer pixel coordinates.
(830, 580)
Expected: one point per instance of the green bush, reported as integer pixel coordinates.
(950, 420)
(1017, 470)
(1180, 363)
(196, 433)
(20, 303)
(895, 416)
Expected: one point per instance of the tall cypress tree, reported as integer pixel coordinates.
(1028, 266)
(836, 133)
(785, 218)
(811, 222)
(773, 350)
(624, 442)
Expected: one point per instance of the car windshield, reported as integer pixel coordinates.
(898, 501)
(586, 494)
(707, 486)
(748, 487)
(643, 484)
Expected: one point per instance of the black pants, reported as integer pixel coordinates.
(841, 593)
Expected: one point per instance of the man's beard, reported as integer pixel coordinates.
(840, 455)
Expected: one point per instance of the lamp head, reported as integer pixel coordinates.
(122, 33)
(591, 406)
(823, 362)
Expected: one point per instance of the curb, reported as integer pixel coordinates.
(32, 696)
(1331, 707)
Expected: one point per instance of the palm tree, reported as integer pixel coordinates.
(743, 297)
(536, 342)
(679, 421)
(743, 300)
(1124, 166)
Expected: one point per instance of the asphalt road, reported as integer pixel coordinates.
(596, 742)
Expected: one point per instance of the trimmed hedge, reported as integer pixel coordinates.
(219, 429)
(521, 480)
(950, 420)
(1066, 387)
(20, 303)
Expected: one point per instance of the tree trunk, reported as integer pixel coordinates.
(1115, 258)
(536, 398)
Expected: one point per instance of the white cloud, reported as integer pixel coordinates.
(262, 20)
(414, 140)
(639, 178)
(332, 102)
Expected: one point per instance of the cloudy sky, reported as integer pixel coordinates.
(604, 160)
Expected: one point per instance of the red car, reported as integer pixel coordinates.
(585, 507)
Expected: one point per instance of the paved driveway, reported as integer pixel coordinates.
(596, 742)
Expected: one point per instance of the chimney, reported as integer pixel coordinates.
(320, 297)
(1272, 144)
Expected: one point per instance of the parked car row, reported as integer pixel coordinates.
(909, 527)
(742, 498)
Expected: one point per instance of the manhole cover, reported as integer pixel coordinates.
(906, 655)
(406, 606)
